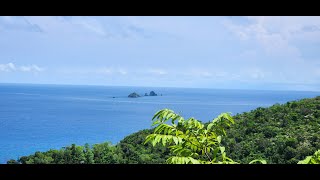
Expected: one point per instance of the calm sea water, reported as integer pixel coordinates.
(40, 117)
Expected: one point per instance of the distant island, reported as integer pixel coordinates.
(135, 95)
(152, 93)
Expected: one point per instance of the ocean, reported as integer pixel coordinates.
(42, 117)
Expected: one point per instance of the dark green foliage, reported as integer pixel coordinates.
(130, 150)
(12, 161)
(317, 113)
(105, 153)
(134, 151)
(280, 134)
(89, 156)
(76, 154)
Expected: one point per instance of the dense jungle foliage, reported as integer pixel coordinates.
(281, 134)
(130, 150)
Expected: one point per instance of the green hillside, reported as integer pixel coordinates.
(279, 134)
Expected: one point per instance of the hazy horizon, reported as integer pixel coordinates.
(105, 85)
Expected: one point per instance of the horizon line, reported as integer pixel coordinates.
(64, 84)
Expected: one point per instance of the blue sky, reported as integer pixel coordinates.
(278, 53)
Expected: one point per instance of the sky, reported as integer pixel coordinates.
(225, 52)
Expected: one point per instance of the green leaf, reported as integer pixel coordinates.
(169, 115)
(148, 138)
(222, 149)
(262, 161)
(175, 139)
(215, 152)
(306, 160)
(157, 138)
(158, 113)
(208, 149)
(164, 116)
(215, 120)
(154, 142)
(164, 140)
(194, 161)
(188, 131)
(157, 129)
(224, 131)
(219, 139)
(155, 123)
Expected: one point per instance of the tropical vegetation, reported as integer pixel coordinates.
(281, 134)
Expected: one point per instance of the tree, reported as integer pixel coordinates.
(74, 155)
(189, 140)
(103, 153)
(89, 156)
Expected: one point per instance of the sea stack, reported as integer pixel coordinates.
(133, 95)
(152, 93)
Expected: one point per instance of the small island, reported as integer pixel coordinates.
(152, 93)
(133, 95)
(136, 95)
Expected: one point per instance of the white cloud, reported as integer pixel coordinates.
(273, 36)
(157, 71)
(31, 68)
(105, 70)
(10, 67)
(206, 73)
(277, 34)
(280, 39)
(7, 67)
(122, 71)
(110, 70)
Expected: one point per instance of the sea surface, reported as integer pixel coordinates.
(42, 117)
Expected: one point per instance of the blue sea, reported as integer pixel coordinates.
(42, 117)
